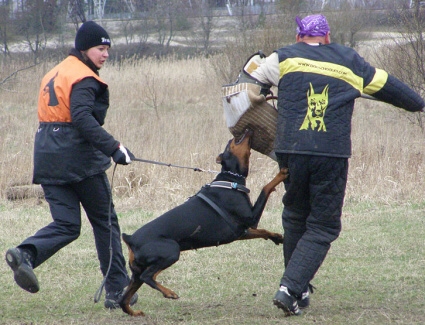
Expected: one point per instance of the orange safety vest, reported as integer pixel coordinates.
(56, 86)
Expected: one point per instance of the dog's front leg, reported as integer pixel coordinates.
(279, 178)
(167, 293)
(252, 233)
(149, 278)
(260, 204)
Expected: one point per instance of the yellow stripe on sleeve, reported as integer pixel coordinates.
(378, 81)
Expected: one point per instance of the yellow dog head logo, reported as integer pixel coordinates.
(317, 104)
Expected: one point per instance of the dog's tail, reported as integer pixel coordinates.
(126, 238)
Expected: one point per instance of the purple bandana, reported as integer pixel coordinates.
(313, 25)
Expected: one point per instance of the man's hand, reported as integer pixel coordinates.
(122, 155)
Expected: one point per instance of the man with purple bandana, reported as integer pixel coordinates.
(314, 25)
(318, 82)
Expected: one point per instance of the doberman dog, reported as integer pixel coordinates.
(220, 213)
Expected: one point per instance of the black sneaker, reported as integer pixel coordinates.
(283, 300)
(304, 301)
(112, 298)
(20, 261)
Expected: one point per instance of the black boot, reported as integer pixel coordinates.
(112, 299)
(21, 263)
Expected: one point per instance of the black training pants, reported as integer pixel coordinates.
(311, 216)
(94, 194)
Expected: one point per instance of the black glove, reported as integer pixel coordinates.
(122, 155)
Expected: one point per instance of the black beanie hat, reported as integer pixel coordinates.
(91, 34)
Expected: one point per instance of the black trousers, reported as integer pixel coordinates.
(311, 216)
(94, 195)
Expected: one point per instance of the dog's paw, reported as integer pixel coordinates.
(171, 295)
(276, 238)
(138, 313)
(283, 173)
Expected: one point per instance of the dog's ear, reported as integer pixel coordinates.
(219, 158)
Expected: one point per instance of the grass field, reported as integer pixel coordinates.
(373, 275)
(171, 111)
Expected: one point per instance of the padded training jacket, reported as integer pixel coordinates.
(70, 143)
(317, 89)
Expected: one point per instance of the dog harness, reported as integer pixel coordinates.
(228, 185)
(231, 222)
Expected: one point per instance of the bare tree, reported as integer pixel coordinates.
(153, 94)
(14, 75)
(128, 29)
(76, 12)
(99, 8)
(31, 23)
(404, 54)
(4, 27)
(165, 14)
(203, 11)
(347, 25)
(294, 6)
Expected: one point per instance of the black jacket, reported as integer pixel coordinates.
(317, 89)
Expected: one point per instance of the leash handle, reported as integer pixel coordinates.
(367, 96)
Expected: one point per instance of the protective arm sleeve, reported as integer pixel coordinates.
(400, 95)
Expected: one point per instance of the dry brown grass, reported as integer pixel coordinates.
(170, 111)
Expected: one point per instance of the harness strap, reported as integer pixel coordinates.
(230, 221)
(213, 205)
(229, 185)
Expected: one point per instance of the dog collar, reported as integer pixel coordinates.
(230, 186)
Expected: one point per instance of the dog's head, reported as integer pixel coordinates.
(235, 158)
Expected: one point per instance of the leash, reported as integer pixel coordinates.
(98, 293)
(195, 169)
